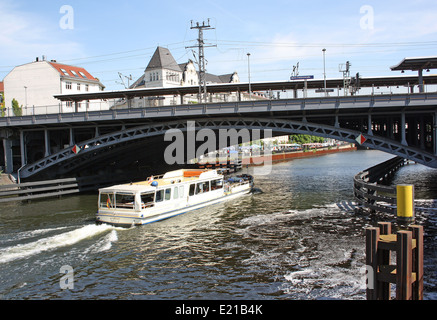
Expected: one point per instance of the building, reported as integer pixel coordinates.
(34, 84)
(163, 71)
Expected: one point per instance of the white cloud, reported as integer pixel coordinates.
(25, 35)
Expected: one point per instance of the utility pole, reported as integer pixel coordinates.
(346, 77)
(202, 65)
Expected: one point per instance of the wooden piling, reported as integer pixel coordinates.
(407, 274)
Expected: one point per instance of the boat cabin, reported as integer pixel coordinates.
(172, 188)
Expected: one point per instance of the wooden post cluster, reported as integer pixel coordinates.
(406, 274)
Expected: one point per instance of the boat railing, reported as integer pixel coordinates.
(157, 177)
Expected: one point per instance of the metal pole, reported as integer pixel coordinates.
(248, 67)
(324, 70)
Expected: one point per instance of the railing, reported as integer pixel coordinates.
(37, 190)
(55, 188)
(373, 196)
(111, 104)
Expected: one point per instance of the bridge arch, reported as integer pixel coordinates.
(105, 144)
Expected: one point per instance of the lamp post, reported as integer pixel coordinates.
(324, 70)
(25, 96)
(248, 68)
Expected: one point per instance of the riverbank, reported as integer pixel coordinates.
(5, 179)
(286, 156)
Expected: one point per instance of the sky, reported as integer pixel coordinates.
(108, 37)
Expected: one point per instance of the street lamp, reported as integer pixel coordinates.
(324, 69)
(248, 67)
(25, 96)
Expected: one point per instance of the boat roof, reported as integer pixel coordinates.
(170, 178)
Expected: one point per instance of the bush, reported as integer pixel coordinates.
(18, 111)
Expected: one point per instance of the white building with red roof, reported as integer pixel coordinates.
(34, 84)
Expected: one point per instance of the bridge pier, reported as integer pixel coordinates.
(9, 157)
(403, 132)
(46, 143)
(435, 133)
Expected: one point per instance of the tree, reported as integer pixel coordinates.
(304, 138)
(18, 111)
(2, 105)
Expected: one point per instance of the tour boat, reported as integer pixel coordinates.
(168, 195)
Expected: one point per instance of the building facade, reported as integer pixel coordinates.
(34, 84)
(163, 71)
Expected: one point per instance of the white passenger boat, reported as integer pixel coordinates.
(162, 197)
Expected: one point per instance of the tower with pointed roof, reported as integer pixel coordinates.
(163, 71)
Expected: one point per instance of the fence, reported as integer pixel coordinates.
(36, 190)
(56, 188)
(373, 196)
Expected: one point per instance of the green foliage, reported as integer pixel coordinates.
(304, 138)
(18, 111)
(2, 105)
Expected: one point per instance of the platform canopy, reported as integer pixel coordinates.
(418, 63)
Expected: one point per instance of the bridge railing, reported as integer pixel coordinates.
(372, 195)
(111, 104)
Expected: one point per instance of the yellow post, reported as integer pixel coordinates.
(405, 202)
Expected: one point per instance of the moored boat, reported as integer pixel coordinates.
(168, 195)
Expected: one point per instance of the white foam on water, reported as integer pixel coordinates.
(29, 234)
(22, 251)
(103, 244)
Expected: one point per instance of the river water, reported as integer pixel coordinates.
(296, 237)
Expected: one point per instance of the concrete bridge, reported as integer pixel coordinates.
(110, 141)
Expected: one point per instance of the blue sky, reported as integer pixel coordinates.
(120, 36)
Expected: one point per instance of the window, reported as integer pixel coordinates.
(167, 194)
(176, 193)
(65, 72)
(82, 74)
(192, 189)
(181, 191)
(68, 85)
(78, 87)
(74, 73)
(107, 200)
(159, 197)
(124, 200)
(147, 200)
(87, 88)
(216, 184)
(202, 187)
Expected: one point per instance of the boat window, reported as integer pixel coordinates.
(216, 184)
(107, 200)
(176, 193)
(124, 200)
(202, 187)
(159, 196)
(147, 200)
(181, 191)
(192, 188)
(167, 194)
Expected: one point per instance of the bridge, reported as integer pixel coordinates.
(113, 141)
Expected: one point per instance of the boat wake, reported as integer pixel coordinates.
(22, 251)
(315, 253)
